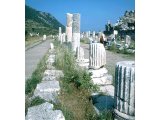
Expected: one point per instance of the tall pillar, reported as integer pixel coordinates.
(76, 31)
(60, 34)
(69, 27)
(128, 40)
(94, 34)
(124, 97)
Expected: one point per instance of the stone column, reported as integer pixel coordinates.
(97, 56)
(60, 34)
(89, 33)
(63, 37)
(80, 54)
(44, 37)
(94, 34)
(125, 90)
(69, 27)
(128, 40)
(76, 31)
(97, 61)
(81, 61)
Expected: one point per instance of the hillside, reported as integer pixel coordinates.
(125, 25)
(40, 22)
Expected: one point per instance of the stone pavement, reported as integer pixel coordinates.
(33, 56)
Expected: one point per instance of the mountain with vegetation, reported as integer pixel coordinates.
(40, 22)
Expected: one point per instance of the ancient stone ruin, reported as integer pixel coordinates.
(69, 27)
(44, 37)
(76, 31)
(124, 97)
(82, 62)
(97, 61)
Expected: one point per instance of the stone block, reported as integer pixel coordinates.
(48, 90)
(54, 73)
(44, 112)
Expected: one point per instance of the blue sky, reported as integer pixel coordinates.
(94, 13)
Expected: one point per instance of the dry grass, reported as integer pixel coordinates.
(77, 101)
(32, 40)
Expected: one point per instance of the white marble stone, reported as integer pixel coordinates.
(115, 32)
(125, 88)
(48, 90)
(76, 31)
(76, 41)
(69, 27)
(128, 40)
(51, 46)
(94, 34)
(63, 37)
(69, 34)
(69, 19)
(79, 54)
(60, 34)
(97, 56)
(44, 112)
(81, 61)
(44, 37)
(56, 73)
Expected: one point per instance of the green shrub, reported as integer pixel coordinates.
(67, 114)
(113, 47)
(65, 60)
(36, 77)
(37, 101)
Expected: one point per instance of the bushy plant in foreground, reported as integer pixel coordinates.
(65, 60)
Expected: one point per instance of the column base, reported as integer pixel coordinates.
(122, 116)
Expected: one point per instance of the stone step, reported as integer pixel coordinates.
(54, 73)
(44, 112)
(48, 90)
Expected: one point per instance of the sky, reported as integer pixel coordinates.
(94, 13)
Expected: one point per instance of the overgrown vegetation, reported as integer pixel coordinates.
(40, 22)
(122, 49)
(72, 73)
(31, 40)
(36, 77)
(76, 88)
(84, 40)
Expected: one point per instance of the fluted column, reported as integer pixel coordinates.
(69, 27)
(60, 34)
(80, 54)
(97, 56)
(125, 90)
(76, 31)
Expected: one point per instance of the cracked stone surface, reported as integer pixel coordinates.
(56, 73)
(48, 90)
(44, 112)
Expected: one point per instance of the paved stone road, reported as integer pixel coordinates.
(33, 56)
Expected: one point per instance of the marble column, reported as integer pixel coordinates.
(97, 56)
(63, 37)
(44, 37)
(94, 34)
(128, 40)
(124, 96)
(97, 61)
(69, 27)
(76, 31)
(60, 34)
